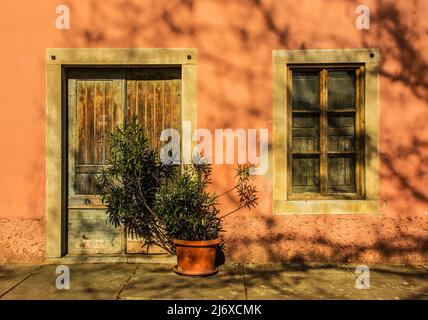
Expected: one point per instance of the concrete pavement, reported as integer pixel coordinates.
(158, 281)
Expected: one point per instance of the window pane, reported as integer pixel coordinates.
(305, 90)
(305, 174)
(341, 173)
(305, 133)
(341, 89)
(341, 132)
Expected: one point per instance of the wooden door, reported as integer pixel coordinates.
(96, 106)
(156, 103)
(98, 101)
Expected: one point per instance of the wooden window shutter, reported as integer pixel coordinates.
(326, 127)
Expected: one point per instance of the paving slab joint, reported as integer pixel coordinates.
(21, 281)
(245, 282)
(126, 282)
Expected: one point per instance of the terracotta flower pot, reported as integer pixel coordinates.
(196, 258)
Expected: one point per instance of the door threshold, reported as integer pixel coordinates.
(120, 258)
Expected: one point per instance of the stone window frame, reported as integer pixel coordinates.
(282, 60)
(56, 60)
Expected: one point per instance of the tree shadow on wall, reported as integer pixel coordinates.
(124, 23)
(404, 63)
(399, 43)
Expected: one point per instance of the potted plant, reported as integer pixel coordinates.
(168, 205)
(191, 216)
(128, 184)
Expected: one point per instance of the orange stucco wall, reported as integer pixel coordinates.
(234, 40)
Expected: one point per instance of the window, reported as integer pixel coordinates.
(326, 123)
(326, 131)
